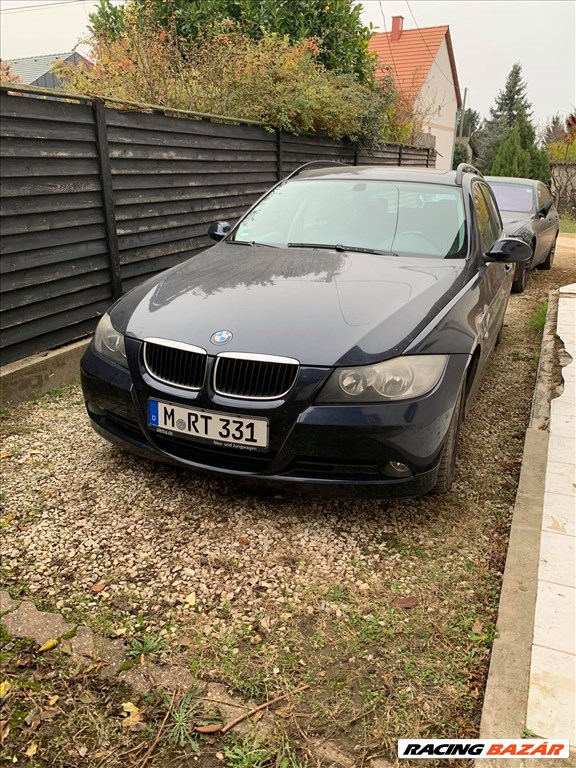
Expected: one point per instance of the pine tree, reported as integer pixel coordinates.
(539, 165)
(512, 99)
(471, 119)
(511, 159)
(488, 139)
(511, 108)
(460, 155)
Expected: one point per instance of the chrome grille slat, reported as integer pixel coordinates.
(175, 365)
(258, 377)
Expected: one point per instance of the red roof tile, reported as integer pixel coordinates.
(411, 57)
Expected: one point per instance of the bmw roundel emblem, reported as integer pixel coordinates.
(221, 337)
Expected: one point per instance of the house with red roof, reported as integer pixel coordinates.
(424, 69)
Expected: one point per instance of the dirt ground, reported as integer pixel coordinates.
(386, 609)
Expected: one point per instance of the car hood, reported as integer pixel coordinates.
(320, 307)
(513, 220)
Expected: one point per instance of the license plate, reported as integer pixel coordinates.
(216, 428)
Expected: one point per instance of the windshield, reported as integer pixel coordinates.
(382, 216)
(518, 198)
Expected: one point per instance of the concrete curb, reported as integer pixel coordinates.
(506, 698)
(38, 374)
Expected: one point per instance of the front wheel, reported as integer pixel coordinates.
(549, 260)
(447, 467)
(520, 279)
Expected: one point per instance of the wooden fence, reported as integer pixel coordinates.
(94, 200)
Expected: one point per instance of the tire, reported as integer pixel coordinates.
(549, 260)
(521, 280)
(447, 466)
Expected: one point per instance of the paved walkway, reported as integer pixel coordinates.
(531, 686)
(552, 687)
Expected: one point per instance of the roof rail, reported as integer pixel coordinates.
(318, 164)
(466, 168)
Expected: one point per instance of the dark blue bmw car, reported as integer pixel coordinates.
(329, 343)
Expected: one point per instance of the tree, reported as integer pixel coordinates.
(107, 21)
(460, 155)
(488, 139)
(555, 130)
(230, 73)
(512, 99)
(511, 159)
(519, 152)
(335, 24)
(510, 105)
(471, 121)
(6, 74)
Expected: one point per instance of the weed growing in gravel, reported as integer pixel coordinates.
(182, 717)
(140, 646)
(54, 395)
(247, 753)
(538, 318)
(519, 356)
(338, 594)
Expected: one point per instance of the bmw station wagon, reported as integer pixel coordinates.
(329, 343)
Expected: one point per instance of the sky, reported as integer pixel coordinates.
(488, 37)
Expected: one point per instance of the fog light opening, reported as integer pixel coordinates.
(397, 469)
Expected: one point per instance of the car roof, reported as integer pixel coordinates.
(512, 180)
(377, 173)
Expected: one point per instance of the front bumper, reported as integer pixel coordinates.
(327, 450)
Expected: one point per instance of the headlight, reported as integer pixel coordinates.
(524, 233)
(109, 342)
(397, 379)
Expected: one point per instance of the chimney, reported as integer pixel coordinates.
(397, 24)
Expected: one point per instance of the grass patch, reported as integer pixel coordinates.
(538, 318)
(568, 226)
(248, 753)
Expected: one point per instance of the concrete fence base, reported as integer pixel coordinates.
(38, 374)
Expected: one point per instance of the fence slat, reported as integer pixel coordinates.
(108, 199)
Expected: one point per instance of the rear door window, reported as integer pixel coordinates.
(486, 225)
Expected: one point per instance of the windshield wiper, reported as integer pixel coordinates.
(340, 248)
(251, 242)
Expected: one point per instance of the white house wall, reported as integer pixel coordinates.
(438, 102)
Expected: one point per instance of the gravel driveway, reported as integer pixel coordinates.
(263, 591)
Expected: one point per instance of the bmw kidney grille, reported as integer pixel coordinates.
(180, 365)
(249, 377)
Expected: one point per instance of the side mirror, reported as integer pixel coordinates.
(544, 210)
(219, 230)
(509, 250)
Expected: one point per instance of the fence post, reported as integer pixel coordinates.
(400, 154)
(108, 199)
(279, 155)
